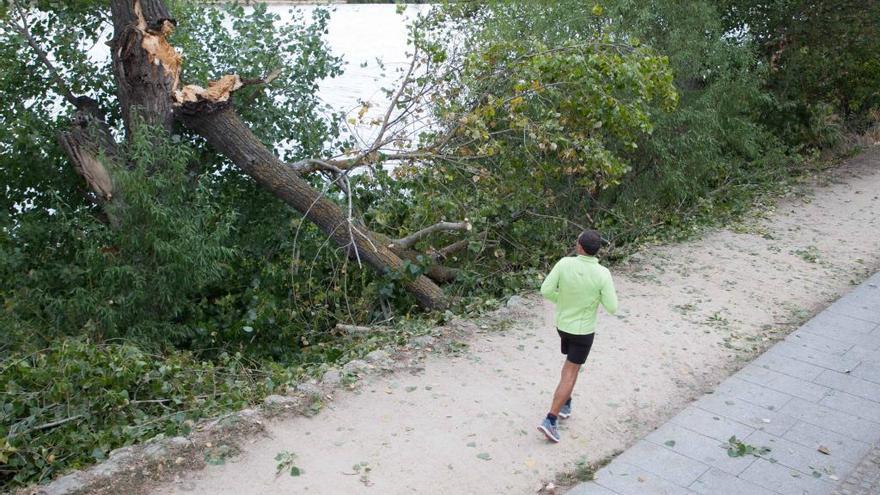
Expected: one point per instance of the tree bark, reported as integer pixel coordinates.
(146, 67)
(223, 129)
(435, 271)
(89, 145)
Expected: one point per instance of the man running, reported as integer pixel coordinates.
(576, 285)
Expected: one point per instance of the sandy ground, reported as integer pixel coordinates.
(691, 314)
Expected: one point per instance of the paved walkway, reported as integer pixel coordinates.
(813, 400)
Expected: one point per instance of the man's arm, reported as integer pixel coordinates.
(550, 287)
(609, 296)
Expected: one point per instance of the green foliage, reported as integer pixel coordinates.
(139, 279)
(821, 59)
(708, 160)
(72, 403)
(191, 254)
(573, 117)
(202, 258)
(33, 169)
(560, 109)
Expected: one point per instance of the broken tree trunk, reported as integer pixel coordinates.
(146, 66)
(223, 129)
(89, 145)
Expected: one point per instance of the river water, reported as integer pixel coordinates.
(361, 33)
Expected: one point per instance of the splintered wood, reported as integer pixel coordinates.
(217, 91)
(161, 53)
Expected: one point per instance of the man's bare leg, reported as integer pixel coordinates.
(566, 385)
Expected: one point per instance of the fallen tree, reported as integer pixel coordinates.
(147, 70)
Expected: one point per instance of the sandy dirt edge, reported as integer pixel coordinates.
(691, 314)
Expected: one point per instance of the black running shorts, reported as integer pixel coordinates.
(576, 347)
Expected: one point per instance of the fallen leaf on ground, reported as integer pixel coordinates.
(823, 449)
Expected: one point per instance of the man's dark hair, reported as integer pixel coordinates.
(591, 241)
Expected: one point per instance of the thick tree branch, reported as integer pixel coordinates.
(88, 141)
(435, 271)
(447, 251)
(223, 129)
(89, 145)
(457, 246)
(310, 165)
(410, 240)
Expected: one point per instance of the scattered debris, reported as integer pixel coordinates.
(286, 463)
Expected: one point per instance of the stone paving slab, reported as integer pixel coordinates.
(672, 466)
(842, 447)
(862, 408)
(758, 395)
(717, 482)
(791, 367)
(812, 399)
(763, 419)
(868, 371)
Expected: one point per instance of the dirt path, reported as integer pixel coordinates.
(691, 314)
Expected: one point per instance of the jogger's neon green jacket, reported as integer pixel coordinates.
(577, 285)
